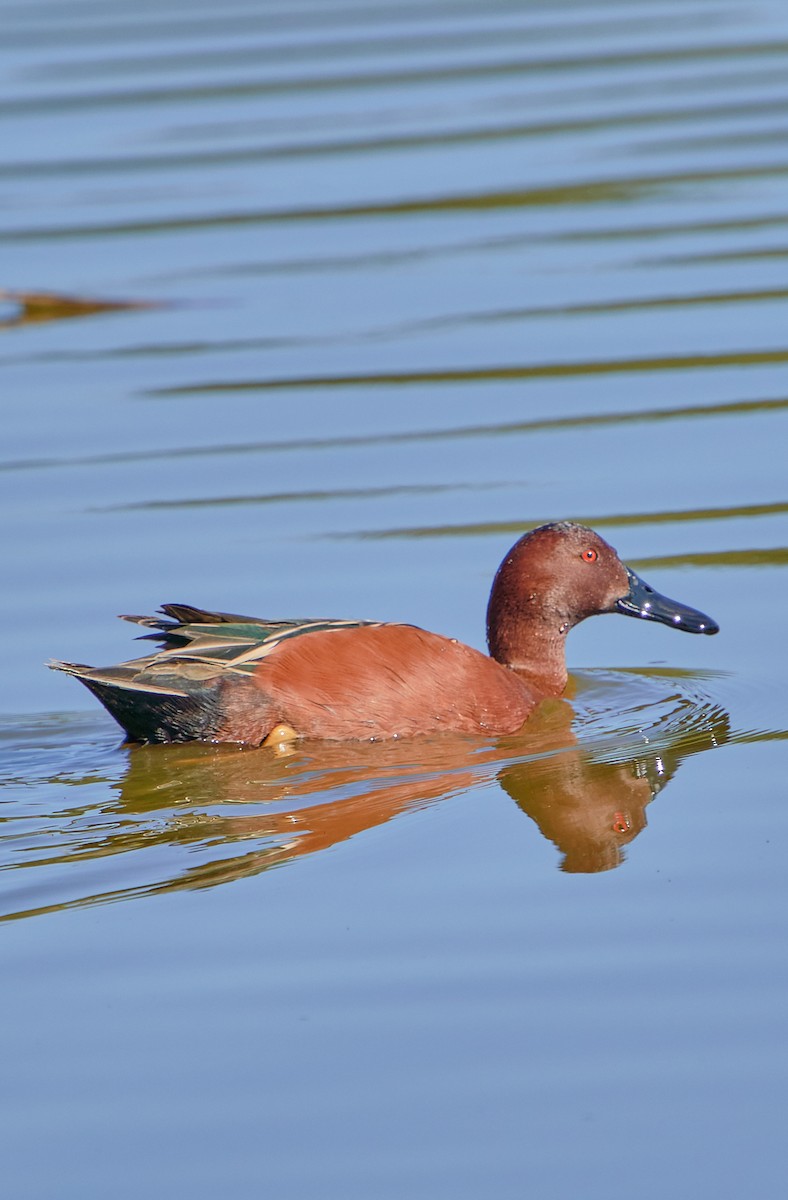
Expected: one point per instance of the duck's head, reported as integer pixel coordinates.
(556, 576)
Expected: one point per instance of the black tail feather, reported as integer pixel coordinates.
(156, 715)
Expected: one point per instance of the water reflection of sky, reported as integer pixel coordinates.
(402, 281)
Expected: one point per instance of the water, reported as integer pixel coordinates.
(313, 308)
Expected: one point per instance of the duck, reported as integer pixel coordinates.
(220, 677)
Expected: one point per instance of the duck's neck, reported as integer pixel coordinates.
(522, 635)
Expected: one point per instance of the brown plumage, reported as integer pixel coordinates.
(227, 678)
(378, 680)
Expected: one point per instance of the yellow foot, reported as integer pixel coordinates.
(280, 737)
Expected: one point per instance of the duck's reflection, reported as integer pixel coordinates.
(310, 797)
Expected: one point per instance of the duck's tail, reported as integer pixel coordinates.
(150, 712)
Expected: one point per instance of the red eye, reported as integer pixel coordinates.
(590, 556)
